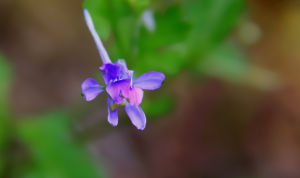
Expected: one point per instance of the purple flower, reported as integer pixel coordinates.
(122, 89)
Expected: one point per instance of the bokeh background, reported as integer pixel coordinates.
(229, 106)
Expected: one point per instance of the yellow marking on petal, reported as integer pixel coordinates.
(123, 104)
(113, 106)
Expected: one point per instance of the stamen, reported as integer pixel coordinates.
(113, 106)
(123, 104)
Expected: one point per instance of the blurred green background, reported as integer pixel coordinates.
(229, 106)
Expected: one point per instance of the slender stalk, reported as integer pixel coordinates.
(102, 51)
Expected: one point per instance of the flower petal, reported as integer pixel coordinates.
(114, 90)
(90, 88)
(88, 19)
(114, 72)
(112, 115)
(136, 115)
(134, 94)
(122, 62)
(149, 81)
(110, 72)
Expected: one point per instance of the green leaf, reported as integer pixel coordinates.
(170, 29)
(125, 28)
(53, 148)
(163, 49)
(139, 5)
(229, 63)
(5, 78)
(226, 62)
(212, 20)
(158, 106)
(169, 61)
(185, 31)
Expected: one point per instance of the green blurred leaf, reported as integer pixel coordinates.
(5, 83)
(167, 60)
(229, 63)
(125, 27)
(226, 62)
(170, 29)
(185, 31)
(163, 49)
(212, 20)
(54, 150)
(158, 106)
(139, 5)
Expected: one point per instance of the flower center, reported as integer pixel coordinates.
(115, 105)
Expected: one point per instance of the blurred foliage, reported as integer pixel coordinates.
(158, 106)
(227, 62)
(5, 78)
(185, 30)
(54, 150)
(212, 20)
(189, 34)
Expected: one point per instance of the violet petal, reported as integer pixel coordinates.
(112, 115)
(149, 81)
(114, 72)
(110, 72)
(122, 62)
(90, 88)
(135, 95)
(136, 115)
(116, 88)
